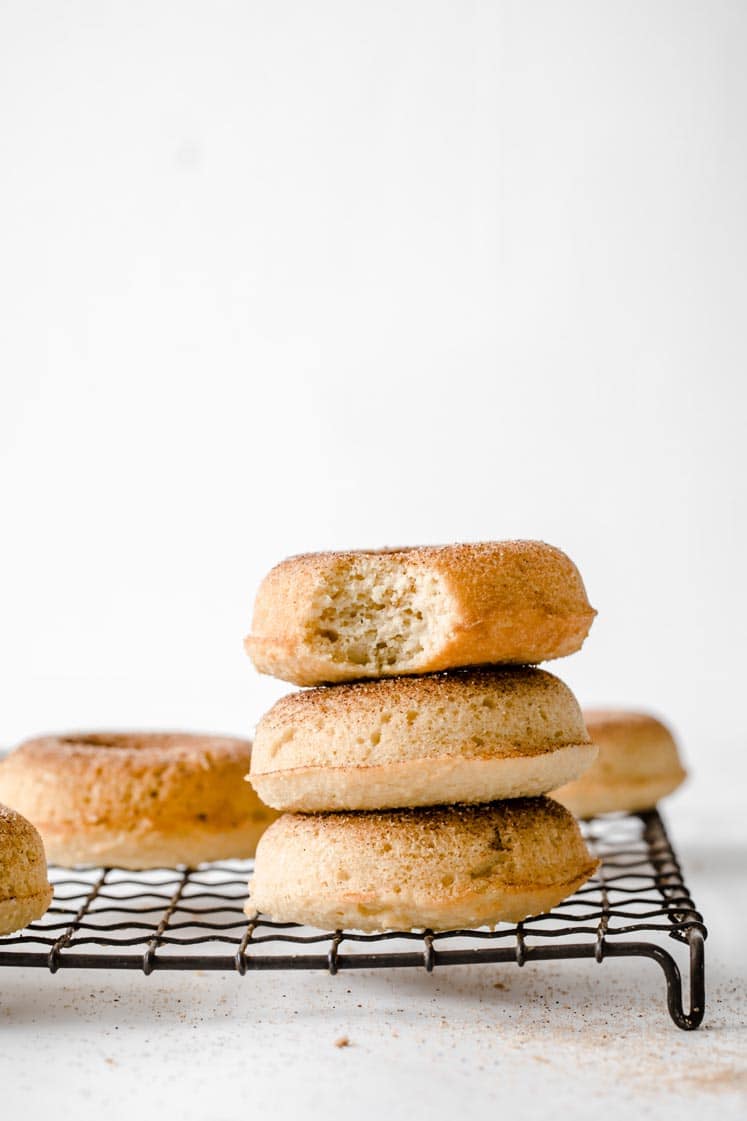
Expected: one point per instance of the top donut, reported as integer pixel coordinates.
(321, 618)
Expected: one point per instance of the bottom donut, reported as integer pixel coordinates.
(440, 868)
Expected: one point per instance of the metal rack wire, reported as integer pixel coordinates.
(108, 918)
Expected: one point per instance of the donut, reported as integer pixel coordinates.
(137, 799)
(638, 763)
(440, 868)
(473, 735)
(25, 893)
(328, 617)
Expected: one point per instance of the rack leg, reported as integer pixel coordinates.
(693, 1018)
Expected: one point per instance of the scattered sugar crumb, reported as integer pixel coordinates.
(343, 1041)
(727, 1078)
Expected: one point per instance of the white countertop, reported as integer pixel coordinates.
(551, 1036)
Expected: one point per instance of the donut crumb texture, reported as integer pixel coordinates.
(375, 614)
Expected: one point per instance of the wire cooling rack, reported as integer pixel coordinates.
(108, 918)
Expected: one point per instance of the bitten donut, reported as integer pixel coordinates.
(473, 735)
(25, 893)
(443, 868)
(137, 799)
(327, 617)
(638, 763)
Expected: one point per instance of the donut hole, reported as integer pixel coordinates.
(94, 740)
(125, 741)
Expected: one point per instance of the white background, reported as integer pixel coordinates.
(277, 277)
(284, 276)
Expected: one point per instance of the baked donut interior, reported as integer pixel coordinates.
(377, 613)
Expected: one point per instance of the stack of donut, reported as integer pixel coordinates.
(411, 776)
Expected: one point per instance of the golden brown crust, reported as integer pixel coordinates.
(152, 847)
(25, 893)
(137, 799)
(638, 763)
(442, 868)
(472, 735)
(517, 602)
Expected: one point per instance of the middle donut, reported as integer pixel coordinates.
(475, 735)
